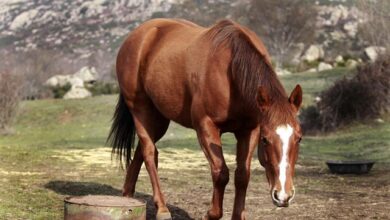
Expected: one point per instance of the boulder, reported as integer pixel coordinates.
(62, 80)
(77, 93)
(282, 72)
(51, 82)
(92, 8)
(339, 59)
(351, 28)
(87, 74)
(324, 66)
(75, 81)
(24, 19)
(337, 35)
(57, 81)
(372, 52)
(333, 14)
(351, 63)
(313, 53)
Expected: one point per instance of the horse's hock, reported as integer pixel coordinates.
(104, 208)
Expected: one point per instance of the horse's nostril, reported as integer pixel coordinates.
(290, 198)
(275, 195)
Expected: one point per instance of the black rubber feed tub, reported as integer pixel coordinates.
(350, 167)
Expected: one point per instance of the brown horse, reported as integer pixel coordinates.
(214, 80)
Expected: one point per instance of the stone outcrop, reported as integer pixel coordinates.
(372, 52)
(77, 93)
(313, 53)
(72, 24)
(282, 72)
(351, 63)
(87, 74)
(324, 66)
(76, 81)
(24, 19)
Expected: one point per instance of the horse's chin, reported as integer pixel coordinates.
(281, 205)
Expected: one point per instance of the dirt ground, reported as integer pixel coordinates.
(320, 195)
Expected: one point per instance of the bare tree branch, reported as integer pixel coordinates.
(281, 24)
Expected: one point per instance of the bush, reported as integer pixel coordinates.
(10, 95)
(365, 96)
(310, 120)
(103, 88)
(60, 91)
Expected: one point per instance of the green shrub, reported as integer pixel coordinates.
(103, 88)
(60, 91)
(364, 96)
(310, 119)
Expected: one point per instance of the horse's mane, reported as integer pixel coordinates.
(250, 67)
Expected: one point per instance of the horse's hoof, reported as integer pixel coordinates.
(164, 216)
(127, 193)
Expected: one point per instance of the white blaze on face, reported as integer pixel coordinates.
(284, 132)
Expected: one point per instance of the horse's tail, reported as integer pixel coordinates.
(122, 133)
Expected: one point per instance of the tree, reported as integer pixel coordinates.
(281, 24)
(376, 29)
(10, 86)
(203, 12)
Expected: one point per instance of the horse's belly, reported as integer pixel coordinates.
(168, 93)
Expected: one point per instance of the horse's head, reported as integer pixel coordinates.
(280, 135)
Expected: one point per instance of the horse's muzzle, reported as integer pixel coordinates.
(282, 199)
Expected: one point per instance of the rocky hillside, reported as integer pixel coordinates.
(83, 27)
(79, 25)
(74, 26)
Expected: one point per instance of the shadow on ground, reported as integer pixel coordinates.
(70, 188)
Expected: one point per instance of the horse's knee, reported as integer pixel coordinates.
(214, 214)
(220, 175)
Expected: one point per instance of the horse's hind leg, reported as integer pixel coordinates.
(135, 165)
(132, 173)
(146, 117)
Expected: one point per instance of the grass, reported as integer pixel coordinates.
(60, 145)
(313, 83)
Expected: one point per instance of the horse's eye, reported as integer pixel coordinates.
(264, 141)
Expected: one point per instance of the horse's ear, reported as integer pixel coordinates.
(262, 98)
(296, 97)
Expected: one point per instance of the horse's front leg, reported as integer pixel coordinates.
(246, 143)
(210, 141)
